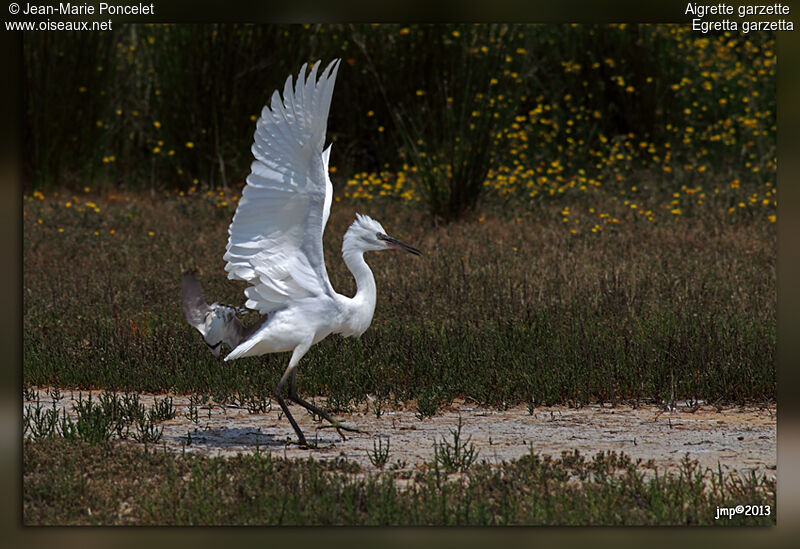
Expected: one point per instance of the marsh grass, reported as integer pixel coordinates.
(379, 455)
(76, 483)
(504, 309)
(98, 420)
(455, 455)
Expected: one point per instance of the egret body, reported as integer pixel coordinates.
(275, 244)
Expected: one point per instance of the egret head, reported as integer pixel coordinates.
(366, 234)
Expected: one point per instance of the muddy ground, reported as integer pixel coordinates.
(736, 439)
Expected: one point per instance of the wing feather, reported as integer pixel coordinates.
(193, 303)
(275, 238)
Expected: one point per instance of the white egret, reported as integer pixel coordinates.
(275, 244)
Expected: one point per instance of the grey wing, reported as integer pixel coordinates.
(195, 308)
(216, 323)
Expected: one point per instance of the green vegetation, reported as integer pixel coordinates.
(504, 310)
(458, 455)
(565, 114)
(110, 415)
(106, 484)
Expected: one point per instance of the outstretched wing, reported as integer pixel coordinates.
(195, 308)
(216, 323)
(275, 239)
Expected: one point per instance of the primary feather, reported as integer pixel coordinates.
(275, 239)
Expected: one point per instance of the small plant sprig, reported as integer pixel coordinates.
(191, 413)
(314, 417)
(255, 403)
(41, 422)
(132, 408)
(55, 393)
(379, 456)
(455, 456)
(147, 430)
(162, 410)
(377, 408)
(427, 405)
(92, 424)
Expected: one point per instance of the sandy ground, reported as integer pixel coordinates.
(736, 439)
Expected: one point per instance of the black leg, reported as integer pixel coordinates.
(315, 409)
(278, 390)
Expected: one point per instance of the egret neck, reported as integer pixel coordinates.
(362, 305)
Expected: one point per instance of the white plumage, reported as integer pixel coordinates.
(275, 239)
(275, 242)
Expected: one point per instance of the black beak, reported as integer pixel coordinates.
(394, 243)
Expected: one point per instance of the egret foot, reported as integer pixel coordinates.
(304, 444)
(336, 424)
(341, 426)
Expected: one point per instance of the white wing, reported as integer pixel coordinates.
(275, 239)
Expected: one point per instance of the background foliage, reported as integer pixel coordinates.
(439, 113)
